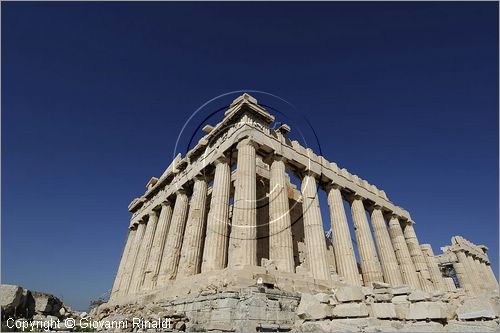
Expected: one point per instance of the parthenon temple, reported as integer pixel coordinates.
(245, 198)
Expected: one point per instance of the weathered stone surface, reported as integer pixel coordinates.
(464, 326)
(349, 294)
(401, 290)
(383, 310)
(383, 297)
(402, 310)
(311, 308)
(475, 308)
(46, 303)
(323, 297)
(10, 298)
(426, 310)
(350, 310)
(379, 285)
(418, 296)
(400, 299)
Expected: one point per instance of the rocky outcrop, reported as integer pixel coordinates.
(23, 307)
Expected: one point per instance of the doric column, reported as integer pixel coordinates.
(388, 261)
(314, 234)
(153, 267)
(408, 272)
(370, 266)
(190, 261)
(144, 251)
(280, 228)
(434, 271)
(344, 252)
(417, 256)
(243, 240)
(217, 234)
(132, 258)
(172, 251)
(469, 285)
(463, 278)
(491, 276)
(478, 278)
(449, 284)
(123, 262)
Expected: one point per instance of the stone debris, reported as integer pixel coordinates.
(25, 305)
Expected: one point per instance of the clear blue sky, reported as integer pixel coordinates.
(93, 96)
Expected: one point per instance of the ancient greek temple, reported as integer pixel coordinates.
(230, 205)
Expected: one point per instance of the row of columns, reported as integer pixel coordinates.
(474, 274)
(180, 241)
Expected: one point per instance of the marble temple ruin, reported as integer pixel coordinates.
(230, 205)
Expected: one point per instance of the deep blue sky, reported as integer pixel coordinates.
(93, 96)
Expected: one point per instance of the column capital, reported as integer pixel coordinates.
(167, 202)
(200, 177)
(278, 157)
(354, 196)
(152, 213)
(223, 159)
(332, 185)
(246, 142)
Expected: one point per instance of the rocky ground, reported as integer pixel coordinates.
(344, 308)
(28, 310)
(267, 308)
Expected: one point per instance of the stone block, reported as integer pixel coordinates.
(402, 310)
(310, 308)
(350, 310)
(380, 285)
(349, 294)
(401, 290)
(227, 303)
(475, 308)
(427, 310)
(400, 299)
(383, 310)
(322, 297)
(383, 297)
(382, 291)
(419, 296)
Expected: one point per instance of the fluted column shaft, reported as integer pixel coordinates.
(154, 262)
(190, 261)
(243, 240)
(217, 233)
(123, 263)
(417, 256)
(370, 266)
(491, 276)
(388, 261)
(280, 228)
(314, 234)
(408, 271)
(144, 252)
(463, 278)
(478, 278)
(449, 284)
(434, 271)
(131, 261)
(468, 272)
(344, 251)
(172, 251)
